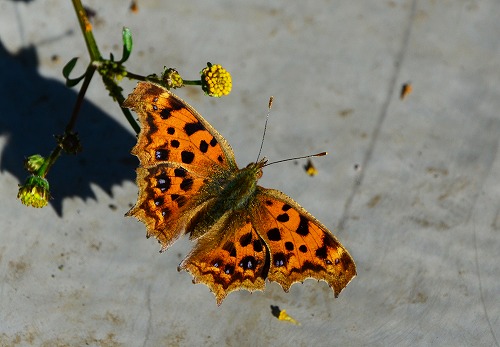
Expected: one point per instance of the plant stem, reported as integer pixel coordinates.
(134, 76)
(191, 83)
(86, 28)
(81, 96)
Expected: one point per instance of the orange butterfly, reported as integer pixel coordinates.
(189, 183)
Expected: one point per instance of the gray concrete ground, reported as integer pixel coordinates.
(410, 186)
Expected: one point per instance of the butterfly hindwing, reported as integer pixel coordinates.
(230, 257)
(166, 200)
(300, 247)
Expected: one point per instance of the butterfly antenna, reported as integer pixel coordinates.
(265, 127)
(297, 158)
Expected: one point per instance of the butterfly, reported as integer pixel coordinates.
(189, 183)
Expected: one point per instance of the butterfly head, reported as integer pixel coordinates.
(256, 167)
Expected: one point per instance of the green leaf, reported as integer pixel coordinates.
(69, 67)
(127, 44)
(70, 82)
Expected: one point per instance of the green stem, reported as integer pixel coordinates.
(126, 112)
(86, 28)
(134, 76)
(95, 56)
(44, 169)
(191, 83)
(128, 115)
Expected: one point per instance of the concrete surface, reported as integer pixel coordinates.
(411, 186)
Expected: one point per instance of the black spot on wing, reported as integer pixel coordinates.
(279, 260)
(180, 172)
(203, 146)
(303, 228)
(191, 128)
(186, 184)
(229, 269)
(257, 246)
(246, 239)
(283, 218)
(163, 182)
(274, 234)
(166, 113)
(162, 154)
(307, 265)
(187, 157)
(158, 201)
(321, 252)
(248, 263)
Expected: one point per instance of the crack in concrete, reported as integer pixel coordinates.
(381, 117)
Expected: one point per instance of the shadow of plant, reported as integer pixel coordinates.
(35, 108)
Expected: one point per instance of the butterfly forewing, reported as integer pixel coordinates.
(173, 131)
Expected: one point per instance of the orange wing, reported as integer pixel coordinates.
(300, 246)
(165, 200)
(173, 131)
(274, 239)
(229, 257)
(178, 152)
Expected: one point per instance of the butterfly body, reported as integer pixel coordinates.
(189, 182)
(230, 192)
